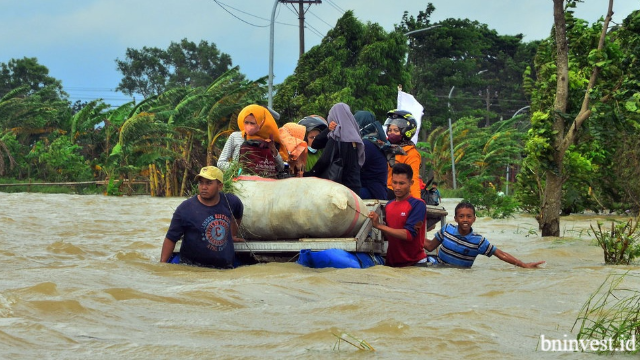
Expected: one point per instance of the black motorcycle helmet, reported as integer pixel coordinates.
(313, 122)
(404, 120)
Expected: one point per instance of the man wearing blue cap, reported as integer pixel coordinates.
(207, 223)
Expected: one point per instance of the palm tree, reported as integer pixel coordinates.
(5, 153)
(7, 101)
(29, 114)
(87, 118)
(481, 153)
(161, 131)
(217, 104)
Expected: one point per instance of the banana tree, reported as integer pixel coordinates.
(146, 138)
(217, 105)
(29, 114)
(161, 132)
(7, 160)
(478, 152)
(87, 118)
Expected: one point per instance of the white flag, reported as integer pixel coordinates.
(408, 103)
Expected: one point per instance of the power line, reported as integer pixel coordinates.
(87, 88)
(335, 6)
(104, 98)
(313, 30)
(319, 18)
(339, 8)
(244, 12)
(232, 14)
(222, 5)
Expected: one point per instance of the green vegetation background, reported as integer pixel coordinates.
(497, 90)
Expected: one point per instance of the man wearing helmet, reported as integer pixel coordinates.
(401, 126)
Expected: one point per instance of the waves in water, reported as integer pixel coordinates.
(81, 278)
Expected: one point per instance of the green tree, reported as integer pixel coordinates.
(32, 103)
(619, 171)
(152, 70)
(59, 160)
(358, 64)
(484, 67)
(114, 119)
(573, 84)
(27, 71)
(628, 172)
(87, 119)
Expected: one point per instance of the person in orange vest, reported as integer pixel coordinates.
(401, 126)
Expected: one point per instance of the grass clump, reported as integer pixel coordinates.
(621, 243)
(230, 185)
(612, 314)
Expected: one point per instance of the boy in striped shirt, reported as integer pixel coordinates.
(459, 245)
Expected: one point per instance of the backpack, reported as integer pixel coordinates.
(256, 158)
(429, 197)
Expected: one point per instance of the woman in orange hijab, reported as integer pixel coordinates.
(259, 152)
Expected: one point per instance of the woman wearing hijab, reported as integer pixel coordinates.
(258, 143)
(259, 127)
(315, 125)
(343, 142)
(373, 175)
(292, 136)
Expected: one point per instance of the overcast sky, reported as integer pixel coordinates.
(79, 40)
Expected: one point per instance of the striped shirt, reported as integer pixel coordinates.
(461, 250)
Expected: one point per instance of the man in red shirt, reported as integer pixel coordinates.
(406, 221)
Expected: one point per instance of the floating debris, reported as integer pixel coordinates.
(353, 341)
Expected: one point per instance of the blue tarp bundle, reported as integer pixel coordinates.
(334, 258)
(337, 258)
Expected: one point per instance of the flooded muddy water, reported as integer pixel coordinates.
(81, 279)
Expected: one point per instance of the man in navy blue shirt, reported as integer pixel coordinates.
(207, 223)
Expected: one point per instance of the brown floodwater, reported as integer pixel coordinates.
(81, 279)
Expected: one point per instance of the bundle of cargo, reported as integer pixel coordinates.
(283, 217)
(298, 208)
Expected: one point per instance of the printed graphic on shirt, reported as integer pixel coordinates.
(216, 229)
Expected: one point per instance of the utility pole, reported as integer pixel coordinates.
(488, 103)
(301, 26)
(453, 159)
(271, 40)
(301, 11)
